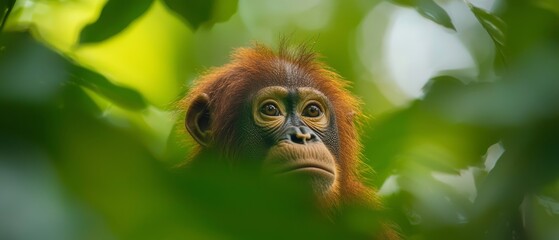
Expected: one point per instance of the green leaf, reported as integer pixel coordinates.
(224, 10)
(200, 12)
(532, 82)
(430, 10)
(409, 3)
(122, 96)
(76, 99)
(551, 5)
(115, 17)
(495, 27)
(5, 9)
(30, 72)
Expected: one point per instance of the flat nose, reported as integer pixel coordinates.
(301, 135)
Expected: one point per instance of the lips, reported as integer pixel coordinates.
(305, 160)
(306, 167)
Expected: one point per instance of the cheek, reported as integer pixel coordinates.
(251, 143)
(331, 139)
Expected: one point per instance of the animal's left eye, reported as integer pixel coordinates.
(270, 109)
(312, 110)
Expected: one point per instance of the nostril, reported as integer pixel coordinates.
(301, 135)
(313, 137)
(294, 138)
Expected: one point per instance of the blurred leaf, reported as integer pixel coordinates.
(528, 163)
(409, 3)
(29, 71)
(115, 17)
(224, 9)
(439, 84)
(434, 203)
(421, 135)
(5, 9)
(432, 154)
(385, 141)
(112, 172)
(523, 36)
(75, 98)
(199, 12)
(551, 5)
(122, 96)
(532, 82)
(495, 27)
(430, 10)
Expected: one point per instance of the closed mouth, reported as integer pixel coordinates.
(306, 167)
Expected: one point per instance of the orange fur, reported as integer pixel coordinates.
(228, 85)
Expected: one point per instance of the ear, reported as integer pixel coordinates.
(197, 120)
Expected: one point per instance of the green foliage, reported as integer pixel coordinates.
(5, 9)
(95, 174)
(122, 96)
(430, 10)
(117, 15)
(199, 12)
(495, 27)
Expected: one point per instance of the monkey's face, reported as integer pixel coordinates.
(286, 132)
(296, 124)
(282, 115)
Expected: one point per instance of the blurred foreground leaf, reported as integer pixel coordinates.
(115, 17)
(551, 5)
(29, 72)
(528, 93)
(425, 138)
(5, 9)
(495, 27)
(430, 10)
(122, 96)
(199, 12)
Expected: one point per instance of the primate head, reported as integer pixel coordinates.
(284, 114)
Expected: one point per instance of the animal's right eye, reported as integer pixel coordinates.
(270, 109)
(312, 111)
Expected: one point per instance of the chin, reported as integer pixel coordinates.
(320, 180)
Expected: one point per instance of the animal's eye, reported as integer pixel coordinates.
(312, 110)
(270, 109)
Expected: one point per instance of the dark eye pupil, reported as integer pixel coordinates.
(270, 110)
(313, 111)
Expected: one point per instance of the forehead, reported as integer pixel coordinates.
(287, 74)
(294, 79)
(291, 93)
(294, 76)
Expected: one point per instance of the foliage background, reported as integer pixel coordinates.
(88, 140)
